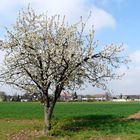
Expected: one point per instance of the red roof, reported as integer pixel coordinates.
(66, 94)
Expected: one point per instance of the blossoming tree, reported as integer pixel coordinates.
(44, 55)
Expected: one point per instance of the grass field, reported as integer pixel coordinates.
(71, 121)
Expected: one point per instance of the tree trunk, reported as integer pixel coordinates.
(48, 110)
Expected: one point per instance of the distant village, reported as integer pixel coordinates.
(70, 97)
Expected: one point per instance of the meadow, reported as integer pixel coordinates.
(71, 121)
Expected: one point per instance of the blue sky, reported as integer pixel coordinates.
(115, 21)
(127, 30)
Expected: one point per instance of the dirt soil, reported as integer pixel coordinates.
(135, 116)
(27, 135)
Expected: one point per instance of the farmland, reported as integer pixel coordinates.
(71, 121)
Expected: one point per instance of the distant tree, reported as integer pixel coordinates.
(128, 97)
(45, 55)
(15, 97)
(75, 96)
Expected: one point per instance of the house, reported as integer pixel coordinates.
(79, 98)
(66, 96)
(1, 99)
(26, 98)
(132, 97)
(2, 96)
(119, 100)
(124, 98)
(84, 99)
(100, 97)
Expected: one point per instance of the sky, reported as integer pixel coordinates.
(115, 21)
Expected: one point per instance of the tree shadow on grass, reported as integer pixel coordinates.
(105, 124)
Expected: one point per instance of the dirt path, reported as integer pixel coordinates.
(135, 116)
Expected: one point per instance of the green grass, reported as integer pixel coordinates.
(17, 110)
(72, 120)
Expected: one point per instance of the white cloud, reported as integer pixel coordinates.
(102, 19)
(73, 9)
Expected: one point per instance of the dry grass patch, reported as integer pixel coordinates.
(27, 135)
(135, 116)
(11, 129)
